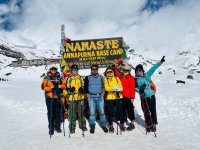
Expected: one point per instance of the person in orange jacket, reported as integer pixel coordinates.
(53, 85)
(128, 83)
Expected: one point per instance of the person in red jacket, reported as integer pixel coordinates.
(128, 83)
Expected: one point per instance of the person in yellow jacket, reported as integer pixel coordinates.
(75, 88)
(113, 97)
(53, 84)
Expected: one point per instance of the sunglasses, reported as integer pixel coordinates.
(94, 68)
(109, 72)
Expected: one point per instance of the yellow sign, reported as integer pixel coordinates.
(95, 51)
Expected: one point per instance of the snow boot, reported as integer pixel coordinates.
(122, 127)
(58, 130)
(72, 131)
(51, 132)
(105, 129)
(84, 128)
(153, 129)
(148, 129)
(111, 129)
(130, 127)
(92, 129)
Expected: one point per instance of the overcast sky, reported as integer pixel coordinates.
(171, 28)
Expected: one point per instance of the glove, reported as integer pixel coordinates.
(116, 88)
(72, 89)
(163, 59)
(141, 91)
(117, 94)
(81, 90)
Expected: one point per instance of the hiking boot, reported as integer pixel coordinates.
(127, 123)
(122, 127)
(72, 131)
(130, 127)
(153, 129)
(148, 129)
(111, 129)
(83, 128)
(105, 129)
(92, 129)
(51, 132)
(58, 130)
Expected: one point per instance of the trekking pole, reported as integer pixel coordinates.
(71, 114)
(144, 113)
(150, 117)
(51, 117)
(117, 117)
(62, 112)
(82, 120)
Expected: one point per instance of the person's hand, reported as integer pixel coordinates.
(52, 86)
(59, 86)
(119, 89)
(116, 88)
(81, 90)
(72, 89)
(141, 91)
(102, 94)
(163, 59)
(132, 100)
(87, 95)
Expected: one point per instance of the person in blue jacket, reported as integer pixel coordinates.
(147, 95)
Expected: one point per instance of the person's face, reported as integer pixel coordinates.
(94, 70)
(75, 72)
(54, 70)
(126, 71)
(139, 72)
(109, 73)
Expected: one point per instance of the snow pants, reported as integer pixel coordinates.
(77, 112)
(128, 109)
(53, 113)
(149, 108)
(111, 110)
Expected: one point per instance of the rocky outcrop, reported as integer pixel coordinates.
(4, 50)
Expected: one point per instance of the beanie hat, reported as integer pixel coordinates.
(139, 67)
(74, 67)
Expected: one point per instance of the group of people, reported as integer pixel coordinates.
(112, 95)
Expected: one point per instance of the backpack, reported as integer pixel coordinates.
(153, 86)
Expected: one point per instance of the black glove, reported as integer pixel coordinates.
(163, 59)
(72, 89)
(117, 94)
(141, 91)
(81, 90)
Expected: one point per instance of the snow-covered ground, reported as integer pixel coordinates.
(24, 122)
